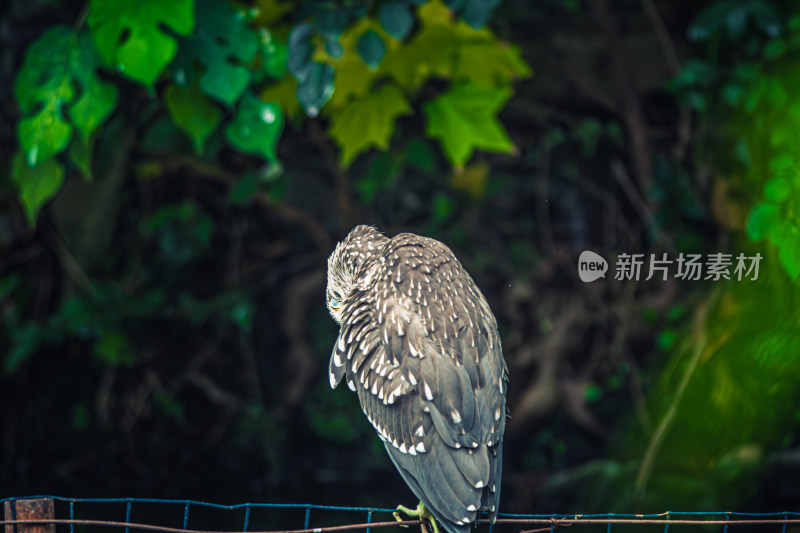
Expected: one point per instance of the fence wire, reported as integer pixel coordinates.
(363, 518)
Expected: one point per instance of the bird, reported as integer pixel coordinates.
(420, 347)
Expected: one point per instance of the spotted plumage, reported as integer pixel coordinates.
(419, 345)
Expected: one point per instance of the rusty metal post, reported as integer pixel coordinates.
(33, 509)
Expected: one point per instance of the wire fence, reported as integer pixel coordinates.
(48, 514)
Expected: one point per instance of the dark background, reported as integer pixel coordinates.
(161, 338)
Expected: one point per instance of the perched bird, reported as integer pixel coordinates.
(419, 345)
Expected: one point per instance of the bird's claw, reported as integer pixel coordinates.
(420, 512)
(397, 516)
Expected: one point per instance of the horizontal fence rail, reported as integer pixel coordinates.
(37, 514)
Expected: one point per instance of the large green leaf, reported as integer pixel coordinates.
(491, 62)
(430, 53)
(437, 49)
(36, 184)
(57, 81)
(193, 113)
(226, 45)
(465, 118)
(368, 121)
(130, 36)
(256, 128)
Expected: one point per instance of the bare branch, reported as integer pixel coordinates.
(629, 98)
(345, 208)
(285, 211)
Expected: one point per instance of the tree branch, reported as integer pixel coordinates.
(629, 105)
(590, 90)
(285, 211)
(664, 40)
(345, 208)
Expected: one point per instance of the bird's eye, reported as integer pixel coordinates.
(335, 304)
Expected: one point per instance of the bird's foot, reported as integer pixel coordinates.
(420, 512)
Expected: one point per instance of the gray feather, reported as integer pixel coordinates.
(423, 339)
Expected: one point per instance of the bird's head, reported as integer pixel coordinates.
(360, 247)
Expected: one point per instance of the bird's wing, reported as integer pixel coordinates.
(420, 346)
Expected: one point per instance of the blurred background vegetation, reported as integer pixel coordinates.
(174, 175)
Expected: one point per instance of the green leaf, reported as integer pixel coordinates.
(193, 113)
(782, 162)
(371, 48)
(26, 339)
(315, 79)
(244, 189)
(778, 190)
(43, 89)
(8, 284)
(45, 134)
(476, 13)
(491, 62)
(161, 137)
(170, 405)
(442, 207)
(130, 37)
(331, 22)
(301, 49)
(430, 53)
(592, 393)
(256, 128)
(420, 155)
(274, 56)
(333, 48)
(588, 132)
(241, 314)
(114, 349)
(80, 153)
(315, 87)
(465, 118)
(396, 19)
(36, 184)
(96, 99)
(733, 16)
(59, 67)
(352, 77)
(368, 121)
(283, 93)
(382, 172)
(763, 219)
(667, 338)
(226, 45)
(790, 250)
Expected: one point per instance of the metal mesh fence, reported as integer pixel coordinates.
(54, 514)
